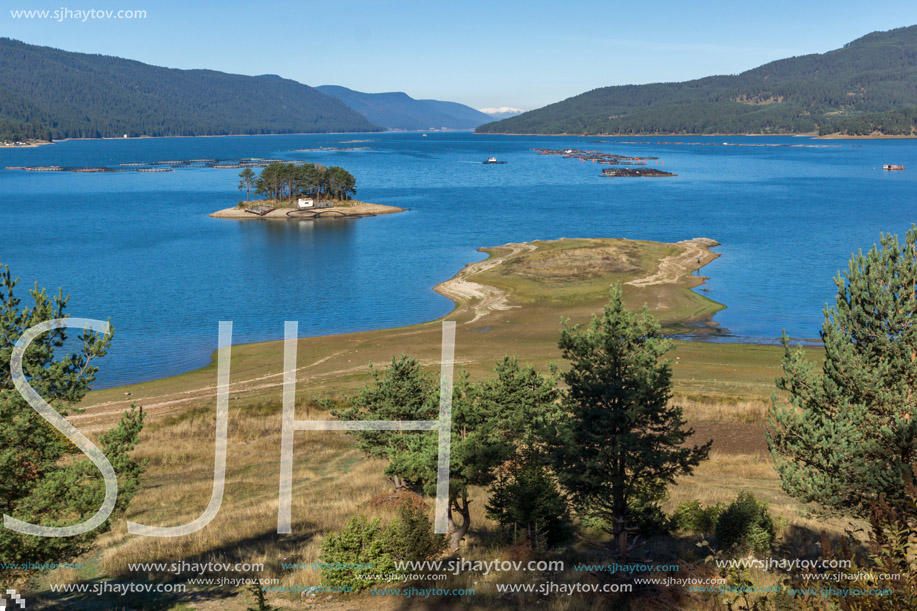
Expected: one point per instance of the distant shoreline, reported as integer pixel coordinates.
(384, 131)
(27, 145)
(813, 135)
(353, 210)
(668, 135)
(870, 137)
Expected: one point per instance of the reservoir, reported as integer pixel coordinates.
(140, 249)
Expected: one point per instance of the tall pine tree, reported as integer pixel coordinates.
(44, 478)
(620, 437)
(847, 438)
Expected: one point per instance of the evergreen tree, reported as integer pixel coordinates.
(401, 392)
(307, 179)
(485, 428)
(247, 182)
(525, 401)
(525, 500)
(341, 183)
(619, 436)
(44, 478)
(847, 438)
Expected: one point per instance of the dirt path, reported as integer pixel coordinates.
(486, 298)
(158, 403)
(695, 253)
(479, 299)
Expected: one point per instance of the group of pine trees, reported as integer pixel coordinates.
(287, 181)
(902, 122)
(607, 439)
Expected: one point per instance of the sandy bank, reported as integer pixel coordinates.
(25, 145)
(358, 209)
(869, 137)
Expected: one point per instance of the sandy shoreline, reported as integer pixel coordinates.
(665, 135)
(357, 210)
(28, 145)
(476, 304)
(869, 137)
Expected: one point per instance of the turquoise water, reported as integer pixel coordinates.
(140, 249)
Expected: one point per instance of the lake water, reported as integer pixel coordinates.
(139, 248)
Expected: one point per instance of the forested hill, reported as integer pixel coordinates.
(873, 74)
(397, 110)
(48, 93)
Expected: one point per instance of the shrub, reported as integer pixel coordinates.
(351, 557)
(410, 536)
(365, 549)
(745, 524)
(261, 603)
(647, 517)
(528, 505)
(693, 517)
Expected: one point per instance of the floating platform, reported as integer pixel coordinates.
(631, 173)
(161, 166)
(596, 156)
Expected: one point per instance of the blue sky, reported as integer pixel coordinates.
(484, 54)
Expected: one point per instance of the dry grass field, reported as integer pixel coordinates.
(511, 305)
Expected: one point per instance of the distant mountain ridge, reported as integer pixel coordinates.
(399, 111)
(873, 74)
(48, 93)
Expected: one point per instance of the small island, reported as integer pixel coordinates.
(300, 191)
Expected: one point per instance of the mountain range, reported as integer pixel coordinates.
(399, 111)
(47, 93)
(868, 86)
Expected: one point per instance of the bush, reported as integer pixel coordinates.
(693, 517)
(364, 549)
(411, 536)
(355, 554)
(646, 515)
(528, 505)
(745, 524)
